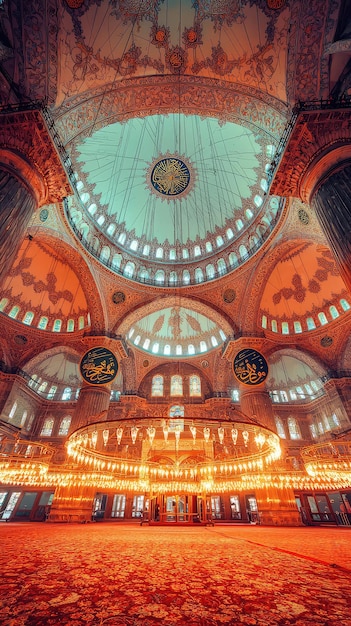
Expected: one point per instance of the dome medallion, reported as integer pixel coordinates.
(170, 176)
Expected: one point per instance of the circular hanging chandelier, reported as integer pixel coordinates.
(162, 455)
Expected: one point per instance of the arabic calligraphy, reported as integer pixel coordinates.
(250, 367)
(99, 366)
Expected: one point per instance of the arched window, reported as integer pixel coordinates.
(243, 252)
(344, 304)
(3, 304)
(137, 340)
(116, 261)
(146, 344)
(157, 386)
(13, 410)
(28, 318)
(185, 253)
(233, 259)
(208, 246)
(144, 274)
(249, 214)
(274, 326)
(199, 276)
(210, 271)
(197, 251)
(160, 276)
(310, 323)
(159, 253)
(167, 349)
(203, 346)
(111, 229)
(51, 392)
(81, 322)
(186, 277)
(239, 224)
(47, 427)
(285, 328)
(155, 348)
(334, 312)
(92, 209)
(176, 385)
(294, 430)
(194, 385)
(280, 427)
(105, 254)
(14, 312)
(179, 350)
(297, 327)
(134, 245)
(100, 220)
(122, 238)
(57, 326)
(229, 233)
(222, 268)
(264, 321)
(64, 425)
(70, 326)
(146, 250)
(43, 386)
(172, 254)
(191, 349)
(67, 392)
(129, 269)
(219, 241)
(214, 341)
(23, 418)
(322, 318)
(173, 277)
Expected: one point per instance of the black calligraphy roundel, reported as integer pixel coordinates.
(250, 367)
(99, 366)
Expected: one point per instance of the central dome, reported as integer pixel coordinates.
(173, 180)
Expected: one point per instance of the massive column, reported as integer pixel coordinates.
(31, 175)
(315, 165)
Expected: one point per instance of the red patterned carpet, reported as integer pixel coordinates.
(120, 574)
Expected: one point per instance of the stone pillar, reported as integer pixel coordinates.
(331, 201)
(72, 503)
(17, 205)
(316, 167)
(92, 406)
(94, 397)
(256, 403)
(31, 175)
(277, 506)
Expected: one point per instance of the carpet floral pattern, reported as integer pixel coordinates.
(127, 575)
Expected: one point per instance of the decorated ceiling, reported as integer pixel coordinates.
(171, 114)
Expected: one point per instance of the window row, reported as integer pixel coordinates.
(176, 388)
(43, 323)
(52, 392)
(324, 424)
(138, 272)
(310, 323)
(307, 391)
(178, 349)
(158, 252)
(48, 427)
(292, 426)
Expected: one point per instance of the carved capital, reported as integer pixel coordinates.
(319, 140)
(26, 148)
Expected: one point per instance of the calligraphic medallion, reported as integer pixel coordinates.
(99, 366)
(250, 367)
(170, 176)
